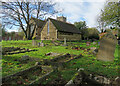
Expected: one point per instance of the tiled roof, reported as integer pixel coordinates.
(65, 27)
(39, 22)
(60, 26)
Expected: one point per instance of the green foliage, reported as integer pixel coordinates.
(21, 33)
(110, 14)
(108, 30)
(24, 38)
(12, 34)
(3, 32)
(93, 33)
(88, 62)
(34, 37)
(80, 25)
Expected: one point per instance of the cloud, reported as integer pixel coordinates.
(12, 30)
(79, 11)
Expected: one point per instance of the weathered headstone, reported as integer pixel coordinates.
(65, 41)
(42, 44)
(107, 47)
(33, 43)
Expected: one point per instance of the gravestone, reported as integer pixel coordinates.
(107, 47)
(41, 44)
(65, 41)
(34, 43)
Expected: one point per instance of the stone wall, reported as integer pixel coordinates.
(52, 32)
(73, 36)
(38, 33)
(56, 35)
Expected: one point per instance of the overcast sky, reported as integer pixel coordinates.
(79, 10)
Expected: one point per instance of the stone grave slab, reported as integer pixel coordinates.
(107, 47)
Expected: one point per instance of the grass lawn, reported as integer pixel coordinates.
(88, 62)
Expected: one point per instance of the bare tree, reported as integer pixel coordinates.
(19, 14)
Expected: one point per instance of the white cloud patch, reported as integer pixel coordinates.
(79, 11)
(12, 30)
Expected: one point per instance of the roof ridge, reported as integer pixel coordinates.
(61, 21)
(63, 26)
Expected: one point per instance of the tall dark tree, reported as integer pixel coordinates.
(20, 12)
(82, 27)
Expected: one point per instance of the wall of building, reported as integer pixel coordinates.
(52, 35)
(68, 36)
(56, 35)
(37, 33)
(32, 23)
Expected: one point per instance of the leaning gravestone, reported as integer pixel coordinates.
(107, 47)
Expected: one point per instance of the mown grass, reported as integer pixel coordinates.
(10, 66)
(88, 62)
